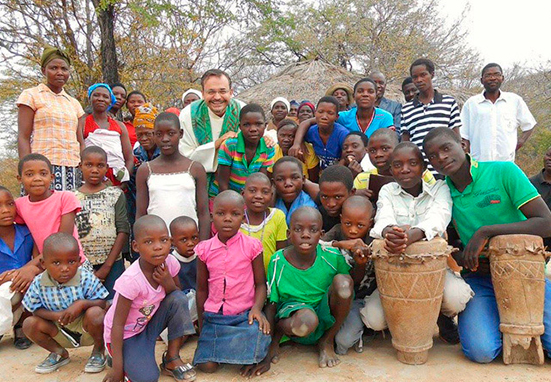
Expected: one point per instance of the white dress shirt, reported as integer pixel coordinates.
(430, 211)
(491, 128)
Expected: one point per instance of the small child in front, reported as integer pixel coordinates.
(245, 154)
(231, 291)
(354, 153)
(67, 303)
(261, 221)
(336, 185)
(148, 300)
(310, 291)
(102, 222)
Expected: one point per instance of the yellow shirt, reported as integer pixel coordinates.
(362, 180)
(310, 158)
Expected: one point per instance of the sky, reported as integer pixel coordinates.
(507, 31)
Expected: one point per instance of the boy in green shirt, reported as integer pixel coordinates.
(489, 199)
(310, 291)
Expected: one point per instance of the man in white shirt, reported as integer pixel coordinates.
(207, 123)
(491, 119)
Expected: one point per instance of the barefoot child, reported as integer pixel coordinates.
(247, 153)
(489, 199)
(288, 180)
(102, 223)
(43, 210)
(67, 303)
(231, 291)
(172, 185)
(19, 265)
(310, 290)
(147, 301)
(428, 215)
(351, 235)
(262, 222)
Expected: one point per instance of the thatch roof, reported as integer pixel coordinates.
(310, 80)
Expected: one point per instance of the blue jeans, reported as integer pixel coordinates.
(479, 323)
(116, 271)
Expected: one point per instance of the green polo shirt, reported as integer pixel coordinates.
(495, 196)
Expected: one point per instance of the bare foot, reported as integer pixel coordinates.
(327, 356)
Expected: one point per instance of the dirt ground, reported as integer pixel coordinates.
(298, 364)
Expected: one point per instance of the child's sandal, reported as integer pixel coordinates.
(185, 373)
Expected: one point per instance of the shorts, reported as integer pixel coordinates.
(73, 335)
(322, 310)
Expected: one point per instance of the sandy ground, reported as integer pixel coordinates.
(298, 364)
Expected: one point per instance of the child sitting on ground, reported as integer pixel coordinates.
(429, 209)
(262, 222)
(231, 291)
(354, 153)
(43, 210)
(172, 185)
(310, 291)
(285, 138)
(379, 149)
(67, 303)
(148, 300)
(350, 235)
(288, 180)
(247, 153)
(19, 265)
(102, 223)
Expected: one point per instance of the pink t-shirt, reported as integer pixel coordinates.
(43, 218)
(231, 275)
(133, 285)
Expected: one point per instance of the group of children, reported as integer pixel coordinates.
(284, 254)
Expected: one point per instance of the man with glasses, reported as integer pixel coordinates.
(491, 119)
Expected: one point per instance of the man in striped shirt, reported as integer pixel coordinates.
(429, 109)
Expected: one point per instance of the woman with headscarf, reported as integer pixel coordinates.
(103, 131)
(305, 111)
(53, 119)
(343, 93)
(190, 96)
(279, 108)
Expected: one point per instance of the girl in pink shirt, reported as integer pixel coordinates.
(148, 299)
(231, 291)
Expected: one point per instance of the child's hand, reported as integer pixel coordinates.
(163, 277)
(354, 166)
(103, 272)
(23, 277)
(361, 254)
(365, 192)
(263, 324)
(70, 314)
(395, 239)
(114, 377)
(269, 141)
(349, 244)
(7, 276)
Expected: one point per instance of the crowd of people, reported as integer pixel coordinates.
(250, 229)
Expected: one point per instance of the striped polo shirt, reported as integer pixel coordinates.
(232, 154)
(418, 119)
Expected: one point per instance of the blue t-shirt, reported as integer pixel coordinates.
(330, 154)
(22, 250)
(381, 119)
(302, 200)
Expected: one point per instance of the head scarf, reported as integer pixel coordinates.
(145, 116)
(306, 103)
(101, 85)
(294, 103)
(173, 110)
(342, 86)
(192, 91)
(50, 53)
(282, 100)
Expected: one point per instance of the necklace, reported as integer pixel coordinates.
(263, 226)
(369, 124)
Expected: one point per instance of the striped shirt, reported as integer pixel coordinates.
(232, 154)
(55, 124)
(418, 119)
(46, 293)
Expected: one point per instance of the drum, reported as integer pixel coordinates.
(411, 286)
(517, 266)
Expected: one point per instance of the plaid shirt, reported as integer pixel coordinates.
(46, 293)
(55, 124)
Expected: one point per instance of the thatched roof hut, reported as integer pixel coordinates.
(310, 80)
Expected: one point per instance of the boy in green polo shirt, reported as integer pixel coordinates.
(246, 154)
(489, 199)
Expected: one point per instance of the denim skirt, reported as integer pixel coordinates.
(230, 339)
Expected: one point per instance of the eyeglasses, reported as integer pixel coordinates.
(488, 76)
(222, 92)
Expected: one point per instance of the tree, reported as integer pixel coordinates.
(109, 64)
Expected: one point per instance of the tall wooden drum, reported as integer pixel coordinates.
(517, 265)
(411, 287)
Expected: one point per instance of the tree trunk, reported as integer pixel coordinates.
(108, 49)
